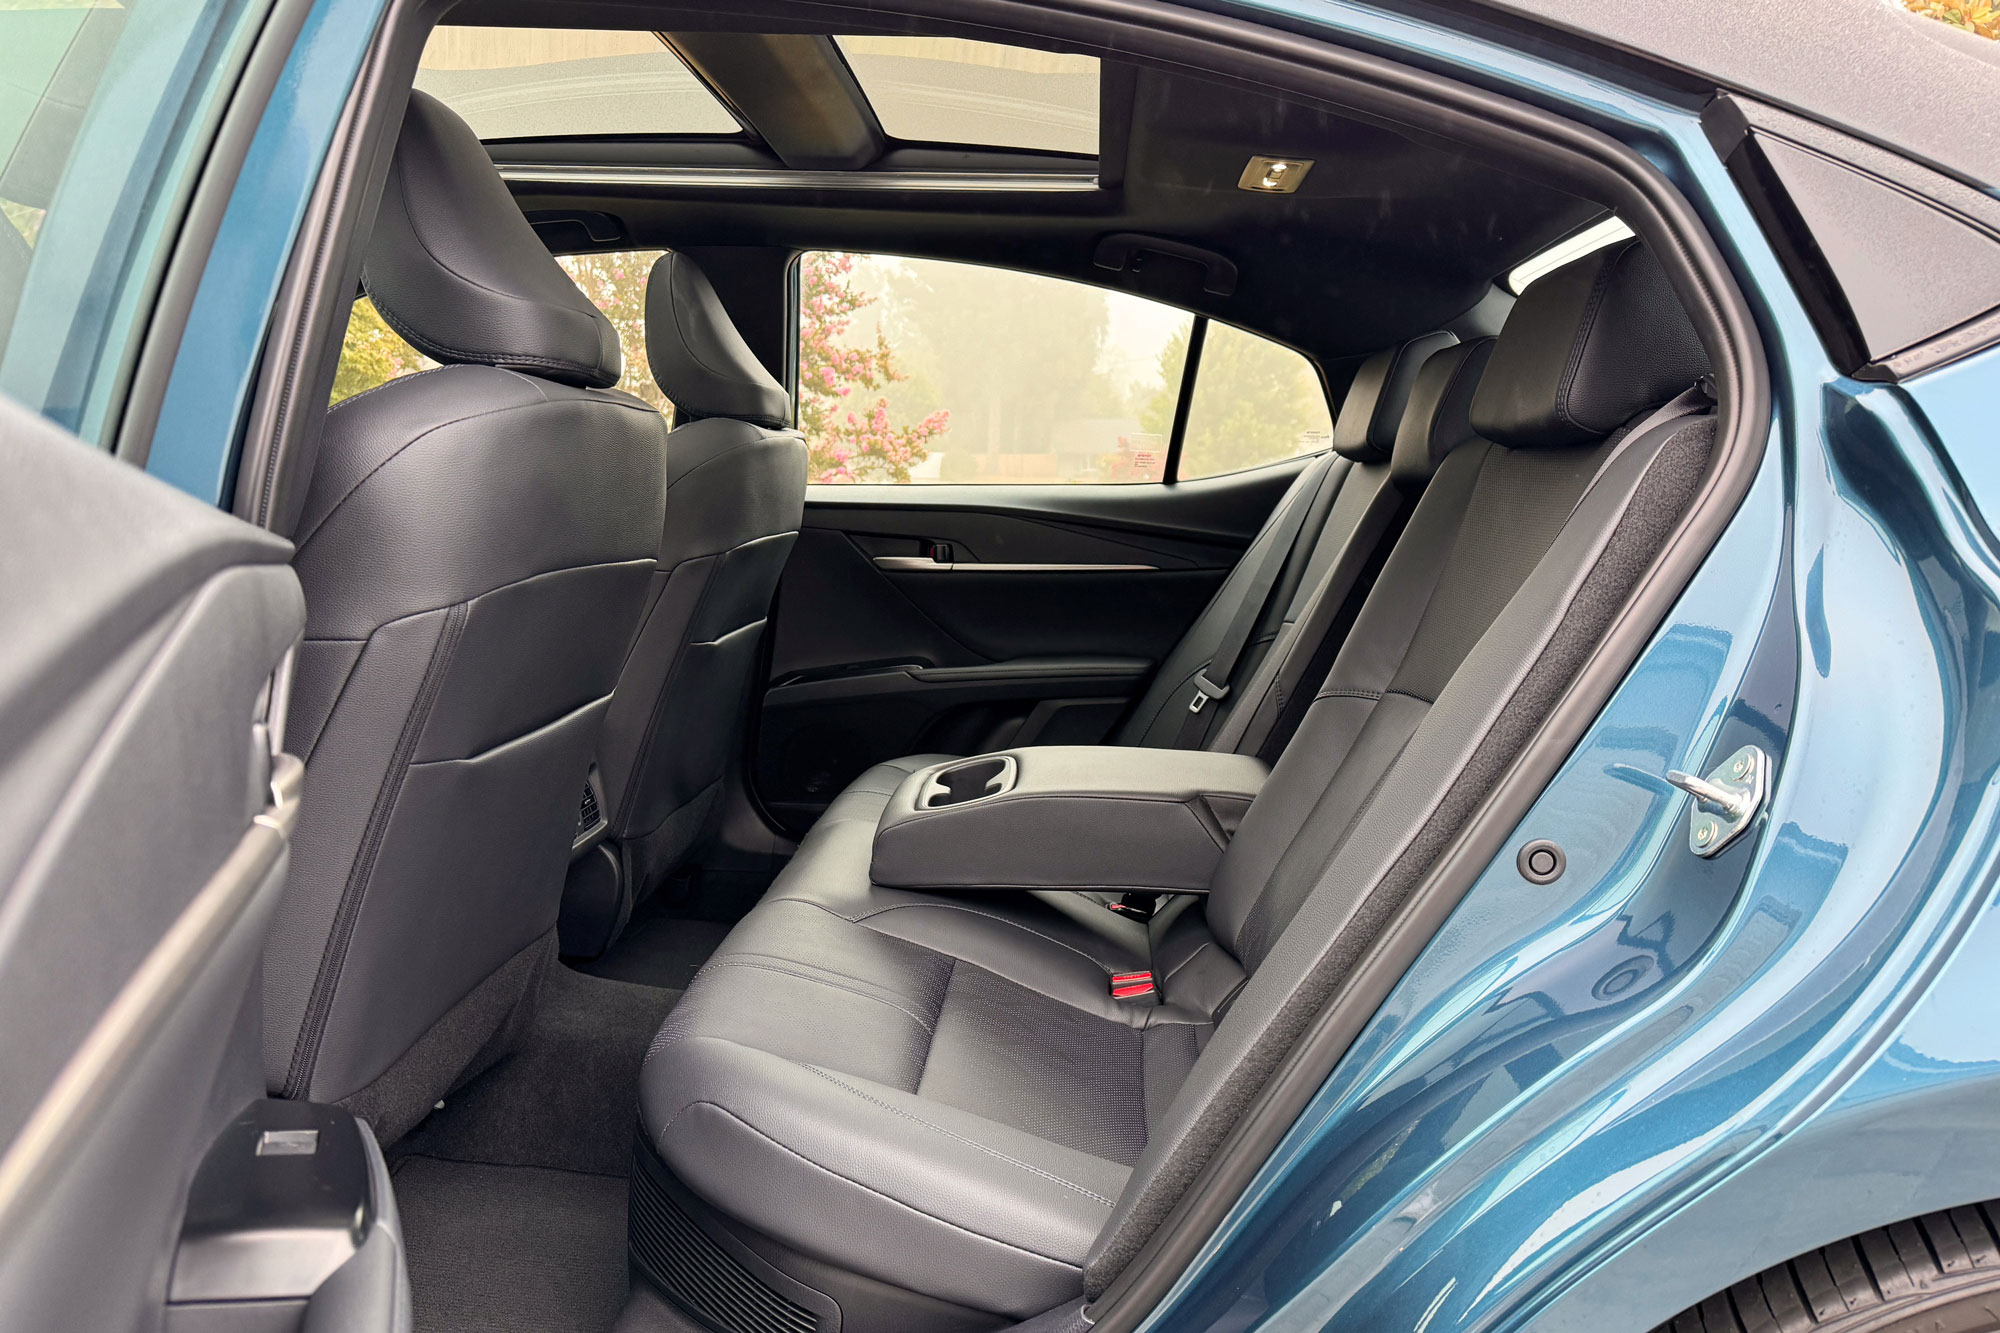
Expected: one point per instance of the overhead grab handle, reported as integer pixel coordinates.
(1126, 250)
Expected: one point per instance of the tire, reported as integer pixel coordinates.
(1939, 1273)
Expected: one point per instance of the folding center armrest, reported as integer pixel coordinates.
(1083, 818)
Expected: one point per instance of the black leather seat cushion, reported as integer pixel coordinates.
(939, 1092)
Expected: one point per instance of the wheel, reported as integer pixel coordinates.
(1939, 1273)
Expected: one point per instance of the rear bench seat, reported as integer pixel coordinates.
(930, 1108)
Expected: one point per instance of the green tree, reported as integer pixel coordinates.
(844, 444)
(1013, 353)
(371, 354)
(1255, 402)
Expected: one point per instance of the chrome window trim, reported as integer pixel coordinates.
(761, 178)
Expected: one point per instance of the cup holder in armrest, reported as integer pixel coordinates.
(968, 782)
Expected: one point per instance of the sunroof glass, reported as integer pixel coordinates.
(948, 90)
(541, 83)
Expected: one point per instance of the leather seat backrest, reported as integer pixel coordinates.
(476, 545)
(1606, 332)
(1525, 546)
(736, 484)
(1363, 436)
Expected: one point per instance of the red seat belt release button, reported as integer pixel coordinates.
(1133, 986)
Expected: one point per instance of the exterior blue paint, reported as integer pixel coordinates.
(1583, 1106)
(1959, 404)
(201, 417)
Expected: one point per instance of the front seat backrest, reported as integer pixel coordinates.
(476, 545)
(736, 489)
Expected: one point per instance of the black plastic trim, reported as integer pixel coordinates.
(1184, 400)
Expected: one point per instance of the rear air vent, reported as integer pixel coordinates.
(588, 817)
(697, 1274)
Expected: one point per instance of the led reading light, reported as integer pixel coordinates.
(1274, 175)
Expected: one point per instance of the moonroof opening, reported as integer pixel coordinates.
(950, 90)
(559, 83)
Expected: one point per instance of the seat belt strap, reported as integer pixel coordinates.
(1698, 397)
(1212, 681)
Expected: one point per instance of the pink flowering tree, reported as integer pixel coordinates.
(615, 281)
(847, 439)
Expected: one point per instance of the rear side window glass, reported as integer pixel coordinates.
(1255, 403)
(106, 108)
(372, 353)
(921, 371)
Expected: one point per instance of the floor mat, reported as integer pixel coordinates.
(512, 1249)
(659, 950)
(568, 1095)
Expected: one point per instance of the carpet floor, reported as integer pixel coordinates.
(658, 950)
(513, 1193)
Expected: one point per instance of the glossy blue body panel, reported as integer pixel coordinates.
(201, 417)
(1590, 1104)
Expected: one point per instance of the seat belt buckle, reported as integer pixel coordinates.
(1138, 906)
(1204, 690)
(1134, 988)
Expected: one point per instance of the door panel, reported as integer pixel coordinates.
(142, 849)
(959, 619)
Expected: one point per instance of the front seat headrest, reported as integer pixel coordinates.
(1586, 349)
(700, 361)
(1366, 428)
(1437, 420)
(455, 268)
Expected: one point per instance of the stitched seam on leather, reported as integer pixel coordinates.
(401, 166)
(813, 970)
(346, 678)
(1583, 332)
(655, 715)
(399, 451)
(820, 981)
(583, 707)
(1372, 696)
(960, 1138)
(369, 393)
(440, 351)
(954, 907)
(928, 1217)
(319, 1002)
(1205, 946)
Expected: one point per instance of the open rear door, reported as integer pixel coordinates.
(145, 810)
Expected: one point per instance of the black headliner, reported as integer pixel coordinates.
(1393, 233)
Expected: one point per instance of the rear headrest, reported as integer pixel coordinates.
(1586, 349)
(700, 361)
(1366, 430)
(1437, 420)
(455, 268)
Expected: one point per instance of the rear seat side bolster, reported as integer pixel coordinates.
(1501, 693)
(1359, 520)
(1365, 667)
